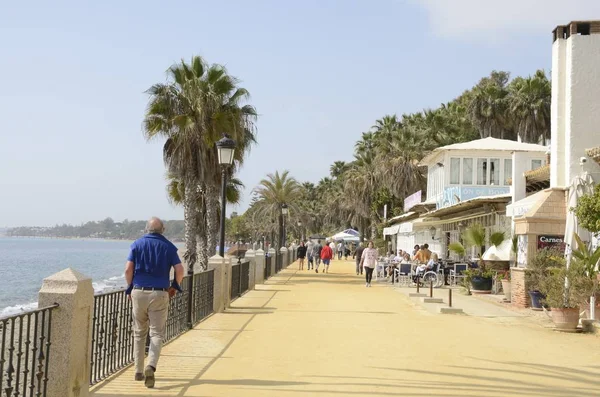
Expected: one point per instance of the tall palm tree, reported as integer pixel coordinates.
(529, 106)
(360, 185)
(337, 169)
(275, 190)
(191, 111)
(488, 107)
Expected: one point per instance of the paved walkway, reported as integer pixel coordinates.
(307, 334)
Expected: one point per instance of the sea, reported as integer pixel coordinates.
(25, 262)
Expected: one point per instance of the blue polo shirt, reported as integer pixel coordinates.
(153, 256)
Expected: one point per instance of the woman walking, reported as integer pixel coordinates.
(368, 260)
(301, 255)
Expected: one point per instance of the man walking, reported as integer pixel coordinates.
(340, 250)
(358, 254)
(309, 255)
(317, 255)
(326, 256)
(147, 273)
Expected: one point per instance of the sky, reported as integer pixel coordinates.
(320, 72)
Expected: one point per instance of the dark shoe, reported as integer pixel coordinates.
(316, 270)
(139, 376)
(149, 374)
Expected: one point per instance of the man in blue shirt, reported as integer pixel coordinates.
(147, 273)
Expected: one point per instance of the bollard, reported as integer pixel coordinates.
(450, 297)
(418, 283)
(431, 288)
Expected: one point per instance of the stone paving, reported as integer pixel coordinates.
(308, 334)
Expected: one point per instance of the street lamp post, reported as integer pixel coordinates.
(226, 151)
(284, 212)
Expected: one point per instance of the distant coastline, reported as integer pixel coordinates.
(106, 229)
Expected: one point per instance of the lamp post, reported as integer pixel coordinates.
(226, 151)
(284, 212)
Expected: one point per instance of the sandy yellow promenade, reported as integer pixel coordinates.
(307, 334)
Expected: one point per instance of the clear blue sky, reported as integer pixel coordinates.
(73, 76)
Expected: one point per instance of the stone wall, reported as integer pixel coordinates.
(518, 295)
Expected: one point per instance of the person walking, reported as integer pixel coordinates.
(358, 255)
(326, 256)
(147, 271)
(309, 255)
(369, 262)
(340, 250)
(317, 254)
(301, 255)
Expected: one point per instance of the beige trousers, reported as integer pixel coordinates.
(150, 309)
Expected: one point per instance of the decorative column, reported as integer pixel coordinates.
(259, 268)
(251, 256)
(222, 295)
(71, 332)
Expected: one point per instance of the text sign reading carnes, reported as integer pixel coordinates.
(547, 241)
(412, 200)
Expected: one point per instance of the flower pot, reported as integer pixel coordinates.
(565, 319)
(506, 288)
(481, 285)
(536, 299)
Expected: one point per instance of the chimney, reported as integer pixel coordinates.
(575, 99)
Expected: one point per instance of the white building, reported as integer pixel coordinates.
(467, 183)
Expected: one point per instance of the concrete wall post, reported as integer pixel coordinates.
(259, 268)
(71, 333)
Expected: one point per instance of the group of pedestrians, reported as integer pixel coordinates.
(315, 253)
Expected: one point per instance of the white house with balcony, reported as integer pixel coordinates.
(467, 183)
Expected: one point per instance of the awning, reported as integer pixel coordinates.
(523, 206)
(390, 231)
(469, 205)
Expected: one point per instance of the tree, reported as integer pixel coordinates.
(191, 111)
(588, 211)
(529, 107)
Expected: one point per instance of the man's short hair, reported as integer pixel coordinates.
(155, 225)
(426, 246)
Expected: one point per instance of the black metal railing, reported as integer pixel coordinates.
(25, 341)
(267, 266)
(245, 276)
(112, 324)
(204, 284)
(112, 335)
(234, 291)
(278, 262)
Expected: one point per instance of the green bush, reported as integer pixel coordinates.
(540, 265)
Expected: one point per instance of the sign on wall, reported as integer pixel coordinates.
(522, 250)
(550, 241)
(412, 200)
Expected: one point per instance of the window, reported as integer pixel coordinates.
(482, 171)
(507, 171)
(454, 171)
(494, 171)
(467, 171)
(535, 164)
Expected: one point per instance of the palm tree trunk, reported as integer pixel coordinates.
(190, 217)
(373, 225)
(212, 217)
(203, 247)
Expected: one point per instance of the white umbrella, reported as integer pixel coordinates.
(499, 253)
(581, 185)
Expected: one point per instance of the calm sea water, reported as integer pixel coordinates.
(25, 262)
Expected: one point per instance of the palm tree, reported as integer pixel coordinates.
(191, 111)
(488, 106)
(529, 107)
(360, 185)
(337, 169)
(274, 191)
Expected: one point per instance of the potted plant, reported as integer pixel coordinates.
(504, 277)
(588, 259)
(537, 269)
(479, 278)
(565, 289)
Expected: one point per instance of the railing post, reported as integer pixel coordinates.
(259, 267)
(222, 268)
(273, 261)
(251, 255)
(71, 332)
(190, 302)
(284, 257)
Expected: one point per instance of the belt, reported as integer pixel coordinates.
(151, 288)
